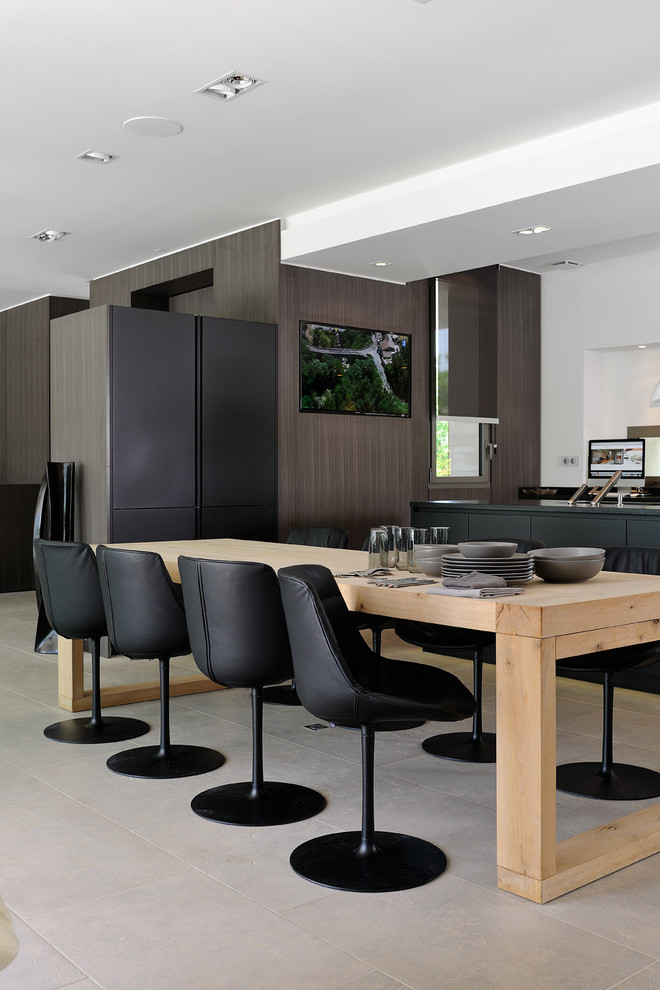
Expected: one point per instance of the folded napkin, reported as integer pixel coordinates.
(476, 585)
(475, 579)
(477, 592)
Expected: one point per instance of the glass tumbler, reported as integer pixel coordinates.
(439, 534)
(392, 533)
(378, 544)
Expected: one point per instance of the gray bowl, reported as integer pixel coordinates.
(567, 570)
(568, 553)
(431, 566)
(435, 550)
(484, 548)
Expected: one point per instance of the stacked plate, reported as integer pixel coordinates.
(517, 568)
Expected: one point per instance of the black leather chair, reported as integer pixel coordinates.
(319, 536)
(71, 597)
(609, 780)
(476, 746)
(146, 621)
(345, 683)
(239, 638)
(307, 536)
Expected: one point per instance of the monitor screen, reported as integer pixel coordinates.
(605, 457)
(352, 370)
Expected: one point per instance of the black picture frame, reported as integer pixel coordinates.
(354, 370)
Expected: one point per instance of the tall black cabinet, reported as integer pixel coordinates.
(171, 420)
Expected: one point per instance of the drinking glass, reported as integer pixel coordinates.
(392, 533)
(439, 534)
(378, 544)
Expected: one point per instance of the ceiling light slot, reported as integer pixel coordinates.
(47, 235)
(98, 157)
(538, 228)
(230, 85)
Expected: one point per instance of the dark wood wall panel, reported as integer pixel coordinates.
(79, 369)
(518, 458)
(116, 289)
(27, 392)
(340, 470)
(246, 278)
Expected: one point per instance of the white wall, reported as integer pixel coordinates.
(595, 381)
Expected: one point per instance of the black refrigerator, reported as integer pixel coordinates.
(192, 427)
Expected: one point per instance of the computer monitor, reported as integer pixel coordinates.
(606, 457)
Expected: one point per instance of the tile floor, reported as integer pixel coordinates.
(113, 882)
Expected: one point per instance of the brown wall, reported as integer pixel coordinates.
(341, 470)
(245, 277)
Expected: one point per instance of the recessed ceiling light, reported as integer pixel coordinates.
(99, 157)
(539, 228)
(152, 126)
(380, 264)
(642, 347)
(49, 235)
(230, 85)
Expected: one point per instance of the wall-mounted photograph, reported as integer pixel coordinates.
(353, 370)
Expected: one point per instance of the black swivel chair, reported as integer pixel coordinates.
(146, 621)
(71, 596)
(476, 746)
(609, 780)
(306, 536)
(238, 636)
(345, 683)
(319, 536)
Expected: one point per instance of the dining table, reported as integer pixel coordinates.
(546, 623)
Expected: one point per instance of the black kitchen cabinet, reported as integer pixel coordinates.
(171, 420)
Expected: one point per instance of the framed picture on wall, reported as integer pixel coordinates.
(351, 370)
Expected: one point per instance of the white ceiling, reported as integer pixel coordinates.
(419, 133)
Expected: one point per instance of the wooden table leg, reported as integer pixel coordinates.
(526, 748)
(72, 696)
(70, 675)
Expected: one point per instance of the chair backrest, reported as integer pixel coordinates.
(144, 614)
(236, 621)
(70, 587)
(329, 654)
(319, 536)
(634, 560)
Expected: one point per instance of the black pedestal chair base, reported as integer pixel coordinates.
(344, 682)
(153, 763)
(276, 803)
(476, 746)
(88, 731)
(620, 782)
(462, 746)
(393, 862)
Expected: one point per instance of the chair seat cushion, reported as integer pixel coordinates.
(442, 639)
(623, 658)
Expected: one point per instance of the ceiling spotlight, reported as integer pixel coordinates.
(49, 235)
(230, 85)
(99, 157)
(379, 264)
(539, 228)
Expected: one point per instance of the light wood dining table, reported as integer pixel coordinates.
(533, 630)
